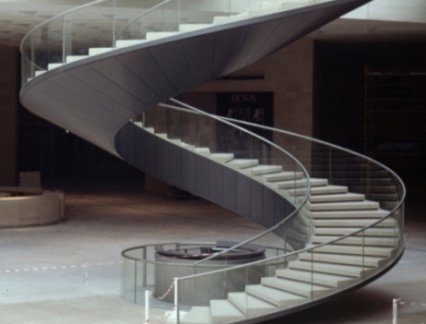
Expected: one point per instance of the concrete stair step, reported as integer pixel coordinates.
(338, 222)
(301, 183)
(39, 72)
(332, 206)
(243, 163)
(348, 214)
(283, 176)
(335, 231)
(323, 190)
(159, 34)
(355, 250)
(202, 151)
(192, 27)
(52, 66)
(359, 240)
(100, 50)
(346, 197)
(265, 169)
(332, 281)
(223, 311)
(222, 157)
(366, 261)
(188, 146)
(175, 141)
(128, 42)
(197, 315)
(75, 58)
(250, 305)
(296, 287)
(328, 268)
(217, 20)
(274, 296)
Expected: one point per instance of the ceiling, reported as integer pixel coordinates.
(17, 17)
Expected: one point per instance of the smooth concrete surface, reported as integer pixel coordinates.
(70, 272)
(30, 207)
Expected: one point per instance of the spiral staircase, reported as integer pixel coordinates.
(106, 72)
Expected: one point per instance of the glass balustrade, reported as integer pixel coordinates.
(102, 25)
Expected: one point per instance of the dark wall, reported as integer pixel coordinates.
(62, 157)
(368, 97)
(9, 87)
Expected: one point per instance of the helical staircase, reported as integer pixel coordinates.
(107, 71)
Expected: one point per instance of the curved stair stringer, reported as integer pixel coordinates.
(95, 97)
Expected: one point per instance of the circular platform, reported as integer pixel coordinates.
(20, 207)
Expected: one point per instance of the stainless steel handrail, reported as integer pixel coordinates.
(304, 137)
(61, 14)
(280, 149)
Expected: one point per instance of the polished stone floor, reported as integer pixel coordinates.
(70, 272)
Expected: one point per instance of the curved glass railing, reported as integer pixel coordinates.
(147, 267)
(373, 247)
(245, 156)
(103, 25)
(223, 143)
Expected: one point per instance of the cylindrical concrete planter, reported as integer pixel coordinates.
(30, 207)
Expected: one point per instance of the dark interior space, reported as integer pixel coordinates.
(370, 96)
(62, 157)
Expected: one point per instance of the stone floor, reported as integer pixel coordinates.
(70, 272)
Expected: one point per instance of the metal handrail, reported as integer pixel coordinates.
(304, 137)
(280, 149)
(61, 14)
(306, 249)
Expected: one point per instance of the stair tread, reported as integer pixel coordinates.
(358, 250)
(248, 303)
(337, 198)
(358, 240)
(350, 222)
(75, 58)
(322, 190)
(243, 163)
(128, 42)
(272, 295)
(344, 205)
(283, 176)
(333, 231)
(346, 270)
(99, 50)
(295, 287)
(370, 261)
(222, 157)
(265, 169)
(202, 150)
(222, 310)
(315, 277)
(291, 184)
(344, 214)
(191, 27)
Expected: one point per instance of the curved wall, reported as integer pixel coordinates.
(29, 207)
